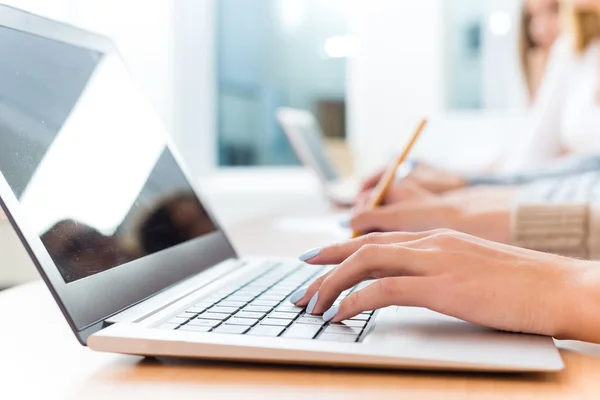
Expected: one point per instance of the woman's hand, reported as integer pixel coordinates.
(403, 191)
(484, 212)
(486, 283)
(429, 179)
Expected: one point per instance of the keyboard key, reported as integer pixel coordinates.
(266, 330)
(332, 337)
(187, 315)
(204, 322)
(248, 293)
(241, 321)
(229, 303)
(223, 310)
(204, 304)
(257, 287)
(271, 298)
(262, 309)
(196, 309)
(178, 320)
(343, 330)
(283, 315)
(311, 321)
(277, 292)
(355, 323)
(276, 322)
(194, 328)
(251, 315)
(302, 331)
(167, 326)
(361, 317)
(244, 299)
(214, 316)
(232, 329)
(267, 303)
(289, 308)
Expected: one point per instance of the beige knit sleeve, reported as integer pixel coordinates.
(570, 229)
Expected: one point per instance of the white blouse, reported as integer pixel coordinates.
(566, 114)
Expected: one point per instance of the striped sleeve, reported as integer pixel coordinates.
(559, 216)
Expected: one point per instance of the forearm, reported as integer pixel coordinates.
(561, 168)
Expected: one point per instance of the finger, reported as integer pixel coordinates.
(397, 291)
(371, 261)
(362, 199)
(302, 296)
(337, 253)
(371, 181)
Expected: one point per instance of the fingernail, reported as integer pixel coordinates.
(313, 302)
(310, 254)
(345, 223)
(329, 314)
(298, 295)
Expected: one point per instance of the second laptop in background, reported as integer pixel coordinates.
(306, 138)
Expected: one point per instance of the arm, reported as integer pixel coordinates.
(559, 215)
(438, 181)
(560, 168)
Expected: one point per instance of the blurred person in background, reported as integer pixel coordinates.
(566, 113)
(565, 117)
(565, 122)
(540, 27)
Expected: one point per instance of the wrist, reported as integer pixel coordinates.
(490, 224)
(577, 318)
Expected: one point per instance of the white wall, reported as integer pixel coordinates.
(143, 32)
(56, 9)
(397, 78)
(195, 111)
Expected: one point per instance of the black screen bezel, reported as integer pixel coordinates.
(91, 300)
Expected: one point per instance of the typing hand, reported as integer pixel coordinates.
(486, 283)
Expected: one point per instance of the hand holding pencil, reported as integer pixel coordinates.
(387, 179)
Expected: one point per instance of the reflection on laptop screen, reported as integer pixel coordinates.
(85, 155)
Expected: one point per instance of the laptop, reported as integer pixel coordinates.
(306, 138)
(139, 264)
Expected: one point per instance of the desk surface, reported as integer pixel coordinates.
(40, 358)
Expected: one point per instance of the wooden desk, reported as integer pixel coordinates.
(40, 358)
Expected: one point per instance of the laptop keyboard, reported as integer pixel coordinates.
(261, 307)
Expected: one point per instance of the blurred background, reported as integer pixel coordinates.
(216, 70)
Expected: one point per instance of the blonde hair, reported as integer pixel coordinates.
(586, 28)
(526, 44)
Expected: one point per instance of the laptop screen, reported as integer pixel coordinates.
(313, 138)
(85, 155)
